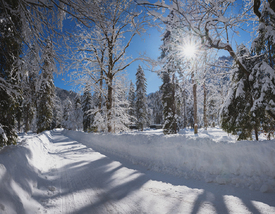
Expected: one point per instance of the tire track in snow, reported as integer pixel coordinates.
(89, 182)
(71, 197)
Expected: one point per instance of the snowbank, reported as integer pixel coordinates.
(212, 155)
(19, 174)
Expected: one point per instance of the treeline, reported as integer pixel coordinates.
(198, 89)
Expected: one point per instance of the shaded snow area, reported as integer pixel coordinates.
(75, 172)
(212, 156)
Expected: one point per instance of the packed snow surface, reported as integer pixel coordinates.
(74, 172)
(213, 155)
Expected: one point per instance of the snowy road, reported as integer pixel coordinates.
(78, 179)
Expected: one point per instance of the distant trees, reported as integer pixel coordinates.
(155, 108)
(29, 40)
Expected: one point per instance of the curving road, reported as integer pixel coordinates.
(77, 179)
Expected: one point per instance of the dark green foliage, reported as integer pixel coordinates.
(132, 100)
(251, 99)
(10, 50)
(141, 108)
(28, 85)
(57, 113)
(155, 104)
(235, 114)
(263, 74)
(46, 92)
(86, 107)
(168, 102)
(170, 67)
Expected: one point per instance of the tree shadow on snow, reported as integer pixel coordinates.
(100, 177)
(213, 193)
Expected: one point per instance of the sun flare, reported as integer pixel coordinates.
(189, 50)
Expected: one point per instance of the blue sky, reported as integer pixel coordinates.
(149, 43)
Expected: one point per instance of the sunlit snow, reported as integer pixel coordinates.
(138, 172)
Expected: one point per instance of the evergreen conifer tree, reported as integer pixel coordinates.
(235, 113)
(86, 108)
(28, 83)
(132, 99)
(77, 113)
(262, 77)
(46, 91)
(10, 50)
(168, 102)
(67, 114)
(257, 88)
(155, 107)
(170, 67)
(141, 111)
(57, 113)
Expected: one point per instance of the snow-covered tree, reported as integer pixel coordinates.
(77, 113)
(46, 90)
(171, 65)
(235, 113)
(132, 101)
(213, 21)
(10, 50)
(155, 105)
(141, 111)
(23, 24)
(120, 114)
(68, 122)
(217, 82)
(168, 102)
(86, 108)
(262, 77)
(28, 85)
(57, 113)
(257, 86)
(103, 47)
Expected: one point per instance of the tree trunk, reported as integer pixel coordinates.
(256, 133)
(174, 104)
(100, 91)
(195, 104)
(184, 110)
(109, 103)
(26, 121)
(204, 106)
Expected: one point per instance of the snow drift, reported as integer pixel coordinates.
(207, 156)
(20, 174)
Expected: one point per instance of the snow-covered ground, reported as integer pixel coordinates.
(74, 172)
(212, 156)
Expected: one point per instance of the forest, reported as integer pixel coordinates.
(89, 40)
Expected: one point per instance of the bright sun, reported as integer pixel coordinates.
(189, 50)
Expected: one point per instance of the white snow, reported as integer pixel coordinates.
(212, 156)
(63, 172)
